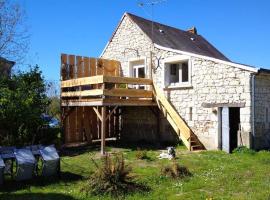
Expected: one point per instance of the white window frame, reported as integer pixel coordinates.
(130, 66)
(176, 60)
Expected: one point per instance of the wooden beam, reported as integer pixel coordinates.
(98, 114)
(108, 116)
(82, 102)
(120, 92)
(128, 102)
(94, 92)
(108, 102)
(103, 130)
(127, 80)
(82, 81)
(106, 139)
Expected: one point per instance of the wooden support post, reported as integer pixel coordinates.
(103, 129)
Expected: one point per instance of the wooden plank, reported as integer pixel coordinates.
(64, 75)
(128, 102)
(127, 80)
(71, 64)
(103, 130)
(82, 81)
(86, 64)
(120, 92)
(87, 123)
(105, 79)
(79, 64)
(92, 102)
(106, 139)
(79, 124)
(111, 112)
(94, 92)
(99, 66)
(98, 114)
(111, 67)
(93, 71)
(72, 126)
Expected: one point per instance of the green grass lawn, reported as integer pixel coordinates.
(215, 175)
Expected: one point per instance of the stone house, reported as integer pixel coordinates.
(5, 66)
(226, 104)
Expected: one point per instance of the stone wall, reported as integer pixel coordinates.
(211, 83)
(262, 111)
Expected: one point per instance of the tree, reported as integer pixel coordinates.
(22, 102)
(53, 94)
(14, 38)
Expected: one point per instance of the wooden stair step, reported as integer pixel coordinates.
(196, 147)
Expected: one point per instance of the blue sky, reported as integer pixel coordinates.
(238, 28)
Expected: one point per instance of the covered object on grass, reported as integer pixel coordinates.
(2, 167)
(25, 164)
(50, 161)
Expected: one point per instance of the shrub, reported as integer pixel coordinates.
(111, 177)
(175, 171)
(141, 155)
(244, 149)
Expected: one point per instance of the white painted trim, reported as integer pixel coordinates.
(244, 67)
(135, 59)
(178, 59)
(104, 49)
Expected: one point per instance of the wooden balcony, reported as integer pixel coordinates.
(105, 90)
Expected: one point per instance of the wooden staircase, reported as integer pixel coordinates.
(190, 140)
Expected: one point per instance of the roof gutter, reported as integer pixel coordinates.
(244, 67)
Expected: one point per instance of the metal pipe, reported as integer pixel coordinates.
(253, 107)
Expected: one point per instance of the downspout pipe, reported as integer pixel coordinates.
(253, 109)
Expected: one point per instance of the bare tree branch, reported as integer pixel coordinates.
(14, 37)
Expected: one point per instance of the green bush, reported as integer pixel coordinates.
(111, 177)
(244, 150)
(175, 171)
(141, 155)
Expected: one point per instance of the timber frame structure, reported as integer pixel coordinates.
(93, 93)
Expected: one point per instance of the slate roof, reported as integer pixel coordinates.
(174, 38)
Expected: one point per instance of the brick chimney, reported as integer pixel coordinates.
(192, 30)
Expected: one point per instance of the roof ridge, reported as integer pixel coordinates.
(170, 26)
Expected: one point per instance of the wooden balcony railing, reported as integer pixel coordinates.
(107, 90)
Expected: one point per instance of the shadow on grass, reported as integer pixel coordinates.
(75, 151)
(65, 178)
(35, 196)
(133, 146)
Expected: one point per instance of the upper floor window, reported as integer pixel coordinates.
(177, 72)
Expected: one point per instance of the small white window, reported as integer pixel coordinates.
(177, 72)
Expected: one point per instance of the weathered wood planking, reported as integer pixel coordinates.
(81, 123)
(71, 65)
(64, 68)
(80, 67)
(105, 79)
(86, 63)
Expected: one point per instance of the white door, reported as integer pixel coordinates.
(225, 130)
(138, 71)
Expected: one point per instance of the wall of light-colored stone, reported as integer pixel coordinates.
(211, 83)
(262, 103)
